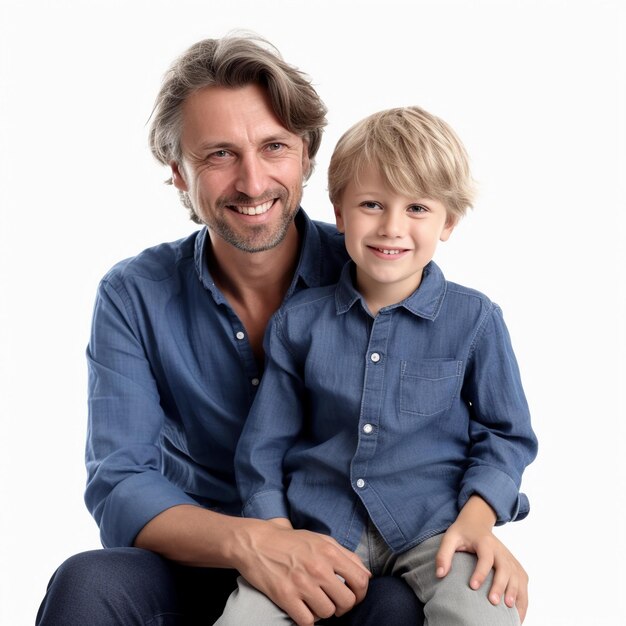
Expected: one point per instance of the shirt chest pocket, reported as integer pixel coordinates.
(428, 387)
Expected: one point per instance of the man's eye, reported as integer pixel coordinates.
(275, 146)
(219, 154)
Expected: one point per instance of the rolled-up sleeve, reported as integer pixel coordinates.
(125, 486)
(502, 440)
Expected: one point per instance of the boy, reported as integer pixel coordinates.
(391, 413)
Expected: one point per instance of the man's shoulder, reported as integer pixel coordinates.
(332, 242)
(328, 232)
(155, 263)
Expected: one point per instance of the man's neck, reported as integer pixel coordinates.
(254, 283)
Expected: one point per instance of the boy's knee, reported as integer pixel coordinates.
(454, 602)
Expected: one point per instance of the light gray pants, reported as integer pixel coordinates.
(447, 602)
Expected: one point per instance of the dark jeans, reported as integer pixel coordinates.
(129, 586)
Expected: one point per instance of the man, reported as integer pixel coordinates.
(176, 355)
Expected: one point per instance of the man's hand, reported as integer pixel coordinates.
(300, 571)
(472, 532)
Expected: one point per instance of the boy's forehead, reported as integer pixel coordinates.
(368, 177)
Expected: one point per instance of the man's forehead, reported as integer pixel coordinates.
(218, 115)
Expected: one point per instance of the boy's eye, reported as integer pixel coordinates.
(417, 208)
(370, 204)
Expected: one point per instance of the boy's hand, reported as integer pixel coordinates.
(472, 532)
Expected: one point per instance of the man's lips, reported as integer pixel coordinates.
(252, 209)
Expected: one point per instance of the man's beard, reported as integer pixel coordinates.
(255, 238)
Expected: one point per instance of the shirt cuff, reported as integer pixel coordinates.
(133, 503)
(266, 505)
(498, 490)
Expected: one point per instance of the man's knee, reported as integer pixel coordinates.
(99, 585)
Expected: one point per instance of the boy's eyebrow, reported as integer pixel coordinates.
(376, 192)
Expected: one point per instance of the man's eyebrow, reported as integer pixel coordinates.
(284, 135)
(278, 136)
(216, 145)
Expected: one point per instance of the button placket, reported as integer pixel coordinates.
(373, 385)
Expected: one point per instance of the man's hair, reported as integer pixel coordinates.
(416, 154)
(235, 61)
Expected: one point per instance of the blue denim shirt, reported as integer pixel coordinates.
(171, 380)
(400, 417)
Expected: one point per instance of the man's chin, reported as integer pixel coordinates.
(259, 241)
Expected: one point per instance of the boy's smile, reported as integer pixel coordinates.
(391, 237)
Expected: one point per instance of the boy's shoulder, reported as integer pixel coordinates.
(455, 290)
(311, 299)
(468, 304)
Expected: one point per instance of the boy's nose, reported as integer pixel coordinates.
(391, 224)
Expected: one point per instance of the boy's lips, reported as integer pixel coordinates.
(387, 251)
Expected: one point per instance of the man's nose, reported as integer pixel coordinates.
(251, 176)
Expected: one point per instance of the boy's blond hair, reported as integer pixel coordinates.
(416, 153)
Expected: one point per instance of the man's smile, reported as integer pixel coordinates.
(257, 209)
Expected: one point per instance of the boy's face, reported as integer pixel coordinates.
(390, 237)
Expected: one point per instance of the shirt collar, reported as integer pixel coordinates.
(308, 269)
(425, 301)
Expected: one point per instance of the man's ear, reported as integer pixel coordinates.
(339, 218)
(306, 161)
(178, 180)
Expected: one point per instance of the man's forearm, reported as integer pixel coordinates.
(195, 536)
(301, 571)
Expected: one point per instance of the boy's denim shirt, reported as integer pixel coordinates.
(401, 417)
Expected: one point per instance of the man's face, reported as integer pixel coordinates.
(243, 171)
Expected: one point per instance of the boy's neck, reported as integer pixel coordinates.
(379, 295)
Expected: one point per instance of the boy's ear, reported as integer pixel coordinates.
(451, 222)
(339, 218)
(177, 177)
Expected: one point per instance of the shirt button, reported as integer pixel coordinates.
(368, 428)
(360, 483)
(240, 335)
(375, 357)
(255, 382)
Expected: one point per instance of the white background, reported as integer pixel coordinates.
(536, 91)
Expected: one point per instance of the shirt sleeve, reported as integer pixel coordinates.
(502, 440)
(125, 486)
(272, 427)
